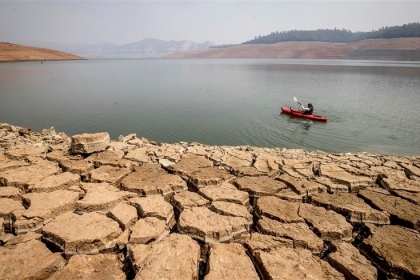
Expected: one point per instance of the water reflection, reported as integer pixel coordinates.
(306, 125)
(303, 123)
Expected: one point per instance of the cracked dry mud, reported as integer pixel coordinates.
(86, 207)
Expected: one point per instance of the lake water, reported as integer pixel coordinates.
(371, 106)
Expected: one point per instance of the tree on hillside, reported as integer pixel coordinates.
(338, 35)
(407, 30)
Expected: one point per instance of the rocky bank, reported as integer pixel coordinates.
(88, 207)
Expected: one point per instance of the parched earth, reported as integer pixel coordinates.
(86, 207)
(13, 53)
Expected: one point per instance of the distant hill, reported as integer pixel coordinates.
(401, 49)
(145, 48)
(387, 43)
(13, 52)
(338, 35)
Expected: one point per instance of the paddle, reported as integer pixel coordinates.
(297, 101)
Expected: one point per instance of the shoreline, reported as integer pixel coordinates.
(134, 208)
(39, 60)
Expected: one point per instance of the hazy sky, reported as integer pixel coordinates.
(223, 22)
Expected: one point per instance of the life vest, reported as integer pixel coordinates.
(311, 109)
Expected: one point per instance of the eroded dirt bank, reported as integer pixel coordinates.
(399, 49)
(14, 53)
(88, 207)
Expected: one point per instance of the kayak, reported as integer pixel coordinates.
(298, 114)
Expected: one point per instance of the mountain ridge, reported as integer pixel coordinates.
(145, 48)
(403, 49)
(154, 48)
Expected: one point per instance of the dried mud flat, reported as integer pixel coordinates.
(88, 207)
(13, 53)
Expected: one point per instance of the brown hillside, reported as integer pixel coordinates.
(377, 49)
(12, 52)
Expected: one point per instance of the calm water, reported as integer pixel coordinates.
(371, 106)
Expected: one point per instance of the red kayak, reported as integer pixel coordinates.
(298, 114)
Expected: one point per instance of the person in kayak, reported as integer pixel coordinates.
(305, 110)
(308, 110)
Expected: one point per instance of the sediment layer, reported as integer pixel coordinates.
(89, 207)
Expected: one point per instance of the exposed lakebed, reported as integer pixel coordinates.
(87, 206)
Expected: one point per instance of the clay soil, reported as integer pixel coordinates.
(13, 53)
